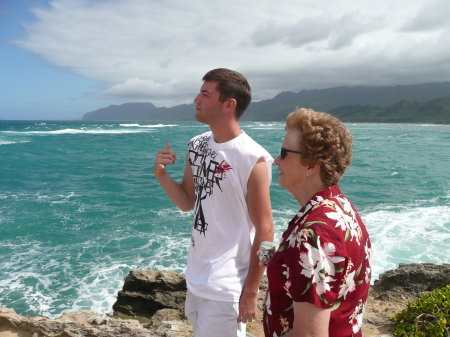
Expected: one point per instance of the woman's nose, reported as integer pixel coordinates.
(277, 160)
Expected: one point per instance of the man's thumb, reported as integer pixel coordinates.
(168, 146)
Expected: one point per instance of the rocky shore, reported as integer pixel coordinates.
(151, 304)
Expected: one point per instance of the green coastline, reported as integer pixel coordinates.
(424, 103)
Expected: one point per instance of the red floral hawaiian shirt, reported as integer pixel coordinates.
(323, 259)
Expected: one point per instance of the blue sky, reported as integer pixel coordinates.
(63, 58)
(30, 86)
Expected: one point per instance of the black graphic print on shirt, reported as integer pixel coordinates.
(208, 173)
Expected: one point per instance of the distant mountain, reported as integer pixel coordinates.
(355, 102)
(124, 112)
(435, 111)
(141, 112)
(327, 99)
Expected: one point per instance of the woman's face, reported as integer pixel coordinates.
(291, 172)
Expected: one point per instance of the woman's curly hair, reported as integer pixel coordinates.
(324, 140)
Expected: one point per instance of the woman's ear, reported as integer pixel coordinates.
(313, 169)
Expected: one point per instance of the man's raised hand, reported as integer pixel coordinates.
(163, 158)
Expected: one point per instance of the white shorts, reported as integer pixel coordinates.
(213, 318)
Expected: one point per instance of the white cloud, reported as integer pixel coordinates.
(137, 89)
(305, 31)
(434, 15)
(158, 50)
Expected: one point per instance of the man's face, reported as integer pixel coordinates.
(208, 107)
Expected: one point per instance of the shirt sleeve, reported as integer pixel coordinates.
(317, 260)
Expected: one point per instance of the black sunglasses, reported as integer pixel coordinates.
(284, 152)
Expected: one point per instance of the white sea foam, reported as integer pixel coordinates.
(268, 128)
(264, 126)
(8, 142)
(76, 131)
(169, 212)
(59, 278)
(412, 234)
(88, 131)
(149, 125)
(62, 198)
(87, 275)
(416, 233)
(159, 126)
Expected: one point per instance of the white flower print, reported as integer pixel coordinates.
(359, 320)
(342, 219)
(318, 264)
(293, 237)
(308, 263)
(324, 257)
(328, 257)
(367, 275)
(286, 272)
(321, 282)
(368, 251)
(309, 205)
(287, 286)
(267, 304)
(345, 218)
(299, 238)
(356, 319)
(348, 286)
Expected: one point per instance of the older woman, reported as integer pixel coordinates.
(319, 277)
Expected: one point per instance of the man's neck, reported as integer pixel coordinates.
(226, 131)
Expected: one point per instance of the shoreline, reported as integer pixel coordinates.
(151, 304)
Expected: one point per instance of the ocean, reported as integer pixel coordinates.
(80, 207)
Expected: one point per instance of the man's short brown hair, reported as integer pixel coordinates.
(231, 84)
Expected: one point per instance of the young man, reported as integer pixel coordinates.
(226, 181)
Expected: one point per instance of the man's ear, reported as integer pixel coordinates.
(230, 105)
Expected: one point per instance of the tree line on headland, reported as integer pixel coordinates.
(420, 103)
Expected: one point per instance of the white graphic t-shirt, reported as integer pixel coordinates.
(222, 231)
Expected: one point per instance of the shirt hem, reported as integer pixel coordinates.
(213, 297)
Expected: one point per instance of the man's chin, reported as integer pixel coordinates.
(199, 119)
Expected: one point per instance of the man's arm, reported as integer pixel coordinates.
(260, 211)
(182, 194)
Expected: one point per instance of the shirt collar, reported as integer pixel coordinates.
(327, 193)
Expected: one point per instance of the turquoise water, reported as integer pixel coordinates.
(80, 208)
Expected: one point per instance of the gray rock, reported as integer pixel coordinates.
(411, 280)
(73, 324)
(166, 315)
(155, 299)
(147, 291)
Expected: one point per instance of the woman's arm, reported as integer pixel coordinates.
(309, 321)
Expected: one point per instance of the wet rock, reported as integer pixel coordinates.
(145, 292)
